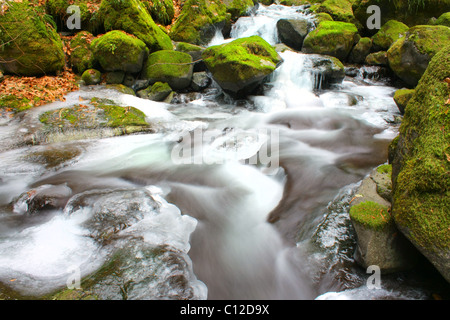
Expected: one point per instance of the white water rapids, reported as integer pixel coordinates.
(229, 230)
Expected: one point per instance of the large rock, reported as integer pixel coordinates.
(332, 38)
(389, 33)
(30, 45)
(199, 20)
(173, 67)
(292, 32)
(409, 56)
(242, 65)
(420, 159)
(119, 51)
(132, 17)
(360, 51)
(378, 241)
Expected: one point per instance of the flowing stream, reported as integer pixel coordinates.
(226, 200)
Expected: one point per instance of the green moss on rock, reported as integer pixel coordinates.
(402, 97)
(371, 215)
(390, 32)
(421, 166)
(444, 19)
(334, 38)
(132, 17)
(91, 77)
(29, 44)
(119, 51)
(162, 11)
(199, 20)
(81, 56)
(242, 63)
(169, 66)
(409, 56)
(339, 10)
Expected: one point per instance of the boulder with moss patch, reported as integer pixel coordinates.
(409, 56)
(238, 8)
(292, 32)
(242, 65)
(199, 20)
(132, 17)
(172, 67)
(389, 33)
(339, 10)
(378, 240)
(334, 38)
(119, 51)
(29, 44)
(360, 51)
(91, 77)
(156, 92)
(421, 165)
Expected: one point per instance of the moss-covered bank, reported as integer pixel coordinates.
(421, 166)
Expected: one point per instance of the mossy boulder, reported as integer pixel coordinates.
(199, 20)
(29, 45)
(377, 59)
(409, 56)
(421, 165)
(241, 65)
(91, 77)
(119, 51)
(81, 55)
(172, 67)
(238, 8)
(361, 50)
(195, 52)
(339, 10)
(444, 19)
(156, 92)
(93, 119)
(389, 33)
(132, 17)
(162, 11)
(402, 97)
(292, 32)
(334, 38)
(378, 242)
